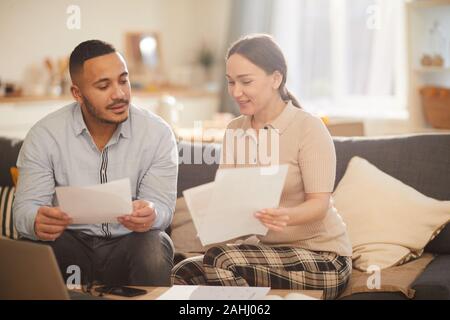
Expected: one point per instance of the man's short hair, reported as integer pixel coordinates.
(85, 51)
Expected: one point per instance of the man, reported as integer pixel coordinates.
(100, 138)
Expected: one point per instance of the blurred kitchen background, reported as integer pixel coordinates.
(366, 67)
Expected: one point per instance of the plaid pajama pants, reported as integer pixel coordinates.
(265, 266)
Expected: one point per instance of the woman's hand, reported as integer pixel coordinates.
(275, 219)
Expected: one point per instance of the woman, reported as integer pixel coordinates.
(307, 246)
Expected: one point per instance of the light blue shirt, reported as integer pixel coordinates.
(59, 151)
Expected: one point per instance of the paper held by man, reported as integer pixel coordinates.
(96, 204)
(224, 209)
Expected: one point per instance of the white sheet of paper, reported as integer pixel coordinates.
(214, 293)
(290, 296)
(177, 293)
(197, 201)
(225, 209)
(96, 204)
(298, 296)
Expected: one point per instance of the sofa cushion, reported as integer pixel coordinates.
(440, 244)
(376, 296)
(6, 218)
(388, 222)
(434, 282)
(395, 279)
(420, 161)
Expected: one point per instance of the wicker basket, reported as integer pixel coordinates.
(436, 106)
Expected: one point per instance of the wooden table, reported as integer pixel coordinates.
(155, 292)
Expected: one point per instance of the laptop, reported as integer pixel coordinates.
(29, 271)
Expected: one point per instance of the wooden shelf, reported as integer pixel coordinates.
(427, 3)
(176, 91)
(340, 128)
(432, 69)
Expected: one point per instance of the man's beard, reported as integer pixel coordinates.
(93, 112)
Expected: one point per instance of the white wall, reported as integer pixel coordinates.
(31, 30)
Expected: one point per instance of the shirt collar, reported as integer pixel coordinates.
(123, 129)
(280, 123)
(78, 122)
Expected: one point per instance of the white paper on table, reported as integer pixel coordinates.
(96, 204)
(177, 293)
(298, 296)
(225, 209)
(214, 293)
(290, 296)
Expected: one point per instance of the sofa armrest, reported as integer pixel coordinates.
(434, 282)
(8, 156)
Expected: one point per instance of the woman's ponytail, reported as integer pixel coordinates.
(286, 95)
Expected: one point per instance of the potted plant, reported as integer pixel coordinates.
(206, 60)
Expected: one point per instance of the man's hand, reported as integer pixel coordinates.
(275, 219)
(50, 223)
(141, 219)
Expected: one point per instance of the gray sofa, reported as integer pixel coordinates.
(421, 161)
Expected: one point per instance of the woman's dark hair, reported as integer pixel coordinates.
(263, 51)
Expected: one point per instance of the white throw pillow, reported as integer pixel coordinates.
(388, 221)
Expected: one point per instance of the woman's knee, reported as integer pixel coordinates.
(188, 271)
(219, 256)
(333, 289)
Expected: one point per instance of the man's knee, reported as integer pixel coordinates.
(150, 257)
(71, 255)
(153, 248)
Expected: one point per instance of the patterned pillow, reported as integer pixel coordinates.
(14, 175)
(6, 219)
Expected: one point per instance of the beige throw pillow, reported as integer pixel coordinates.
(388, 222)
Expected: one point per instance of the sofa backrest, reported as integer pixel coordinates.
(9, 150)
(192, 170)
(420, 161)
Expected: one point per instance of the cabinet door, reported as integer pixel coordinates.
(180, 111)
(17, 118)
(197, 109)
